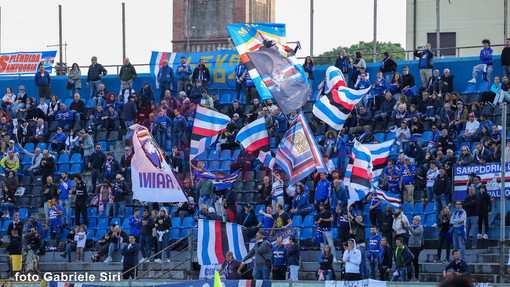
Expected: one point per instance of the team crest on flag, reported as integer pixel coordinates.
(298, 154)
(153, 179)
(216, 239)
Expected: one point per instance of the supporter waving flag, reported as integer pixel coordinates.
(358, 175)
(220, 182)
(207, 125)
(272, 65)
(298, 154)
(334, 107)
(254, 138)
(389, 198)
(380, 153)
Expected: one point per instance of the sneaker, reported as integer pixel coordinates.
(93, 258)
(434, 225)
(63, 255)
(436, 260)
(474, 247)
(141, 260)
(479, 236)
(109, 259)
(122, 259)
(445, 261)
(157, 260)
(485, 236)
(472, 81)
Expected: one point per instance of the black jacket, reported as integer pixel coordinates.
(408, 80)
(389, 66)
(97, 160)
(505, 57)
(447, 88)
(18, 226)
(445, 142)
(430, 58)
(441, 185)
(387, 258)
(95, 71)
(14, 247)
(49, 165)
(167, 223)
(52, 191)
(35, 242)
(460, 267)
(471, 205)
(484, 201)
(79, 106)
(207, 76)
(146, 229)
(387, 222)
(250, 222)
(293, 255)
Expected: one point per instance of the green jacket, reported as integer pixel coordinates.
(127, 73)
(206, 188)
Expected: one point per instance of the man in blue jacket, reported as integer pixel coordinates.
(161, 128)
(64, 189)
(486, 65)
(43, 82)
(384, 112)
(183, 71)
(178, 127)
(426, 63)
(240, 71)
(135, 223)
(281, 125)
(130, 253)
(146, 235)
(279, 260)
(58, 142)
(64, 117)
(111, 167)
(165, 78)
(373, 248)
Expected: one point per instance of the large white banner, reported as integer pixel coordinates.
(153, 179)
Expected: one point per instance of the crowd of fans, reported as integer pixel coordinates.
(37, 134)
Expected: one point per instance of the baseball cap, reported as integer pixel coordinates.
(11, 141)
(59, 128)
(182, 93)
(472, 114)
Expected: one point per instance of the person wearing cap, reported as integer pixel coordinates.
(104, 244)
(95, 72)
(12, 146)
(471, 131)
(165, 78)
(33, 223)
(182, 71)
(10, 163)
(230, 266)
(196, 91)
(248, 219)
(147, 91)
(460, 117)
(484, 212)
(58, 141)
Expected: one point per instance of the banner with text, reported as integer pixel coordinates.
(490, 175)
(221, 65)
(360, 283)
(19, 63)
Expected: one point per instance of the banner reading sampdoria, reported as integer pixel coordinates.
(221, 65)
(153, 179)
(19, 63)
(490, 174)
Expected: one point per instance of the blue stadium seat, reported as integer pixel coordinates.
(188, 222)
(297, 221)
(308, 221)
(214, 166)
(90, 103)
(236, 154)
(102, 223)
(76, 158)
(335, 233)
(483, 87)
(225, 166)
(426, 137)
(202, 156)
(226, 154)
(63, 158)
(429, 208)
(125, 225)
(29, 147)
(92, 223)
(99, 234)
(394, 150)
(418, 208)
(226, 98)
(75, 168)
(380, 137)
(214, 155)
(430, 220)
(307, 233)
(92, 212)
(116, 220)
(318, 138)
(259, 207)
(23, 213)
(26, 160)
(390, 136)
(63, 167)
(470, 89)
(5, 225)
(68, 102)
(103, 145)
(176, 222)
(175, 233)
(42, 146)
(407, 207)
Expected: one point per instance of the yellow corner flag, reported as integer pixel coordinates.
(217, 280)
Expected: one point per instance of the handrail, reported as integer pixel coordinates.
(140, 263)
(162, 262)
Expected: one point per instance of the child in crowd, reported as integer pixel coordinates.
(81, 239)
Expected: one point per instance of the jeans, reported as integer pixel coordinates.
(181, 84)
(70, 247)
(459, 241)
(176, 139)
(479, 68)
(122, 206)
(429, 113)
(163, 86)
(373, 269)
(146, 245)
(467, 138)
(430, 193)
(113, 247)
(96, 101)
(439, 202)
(363, 265)
(73, 91)
(55, 234)
(8, 206)
(260, 272)
(501, 97)
(46, 209)
(240, 87)
(384, 117)
(293, 272)
(96, 175)
(66, 204)
(206, 200)
(506, 70)
(16, 106)
(106, 209)
(130, 132)
(162, 245)
(159, 131)
(402, 273)
(472, 228)
(328, 238)
(94, 87)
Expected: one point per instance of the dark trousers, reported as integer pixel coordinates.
(441, 242)
(279, 272)
(375, 217)
(81, 207)
(130, 274)
(483, 219)
(44, 92)
(416, 252)
(352, 277)
(96, 175)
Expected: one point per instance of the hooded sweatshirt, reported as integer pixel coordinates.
(354, 257)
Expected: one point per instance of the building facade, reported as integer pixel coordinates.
(462, 23)
(199, 25)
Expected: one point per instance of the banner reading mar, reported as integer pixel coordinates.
(153, 179)
(490, 174)
(26, 62)
(221, 64)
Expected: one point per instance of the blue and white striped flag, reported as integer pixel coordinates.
(389, 198)
(207, 125)
(216, 238)
(220, 183)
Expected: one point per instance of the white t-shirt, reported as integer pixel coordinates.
(472, 126)
(431, 176)
(82, 238)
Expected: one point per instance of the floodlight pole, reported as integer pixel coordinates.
(502, 255)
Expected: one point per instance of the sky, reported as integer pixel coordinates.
(93, 27)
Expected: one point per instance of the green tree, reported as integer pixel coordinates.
(329, 57)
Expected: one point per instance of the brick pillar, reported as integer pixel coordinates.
(179, 24)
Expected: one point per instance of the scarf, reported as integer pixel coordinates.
(201, 73)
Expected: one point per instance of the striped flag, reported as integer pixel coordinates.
(216, 239)
(254, 138)
(220, 183)
(335, 106)
(389, 198)
(207, 125)
(298, 154)
(334, 79)
(358, 174)
(380, 153)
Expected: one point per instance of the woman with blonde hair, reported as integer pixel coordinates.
(163, 224)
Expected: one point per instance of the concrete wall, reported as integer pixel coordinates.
(472, 20)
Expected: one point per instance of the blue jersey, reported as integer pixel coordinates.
(392, 182)
(55, 218)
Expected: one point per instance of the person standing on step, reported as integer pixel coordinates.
(279, 257)
(146, 235)
(373, 249)
(81, 200)
(54, 223)
(230, 266)
(415, 244)
(293, 258)
(262, 251)
(484, 212)
(472, 206)
(130, 253)
(96, 162)
(64, 189)
(458, 221)
(403, 259)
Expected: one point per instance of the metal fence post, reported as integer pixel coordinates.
(190, 248)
